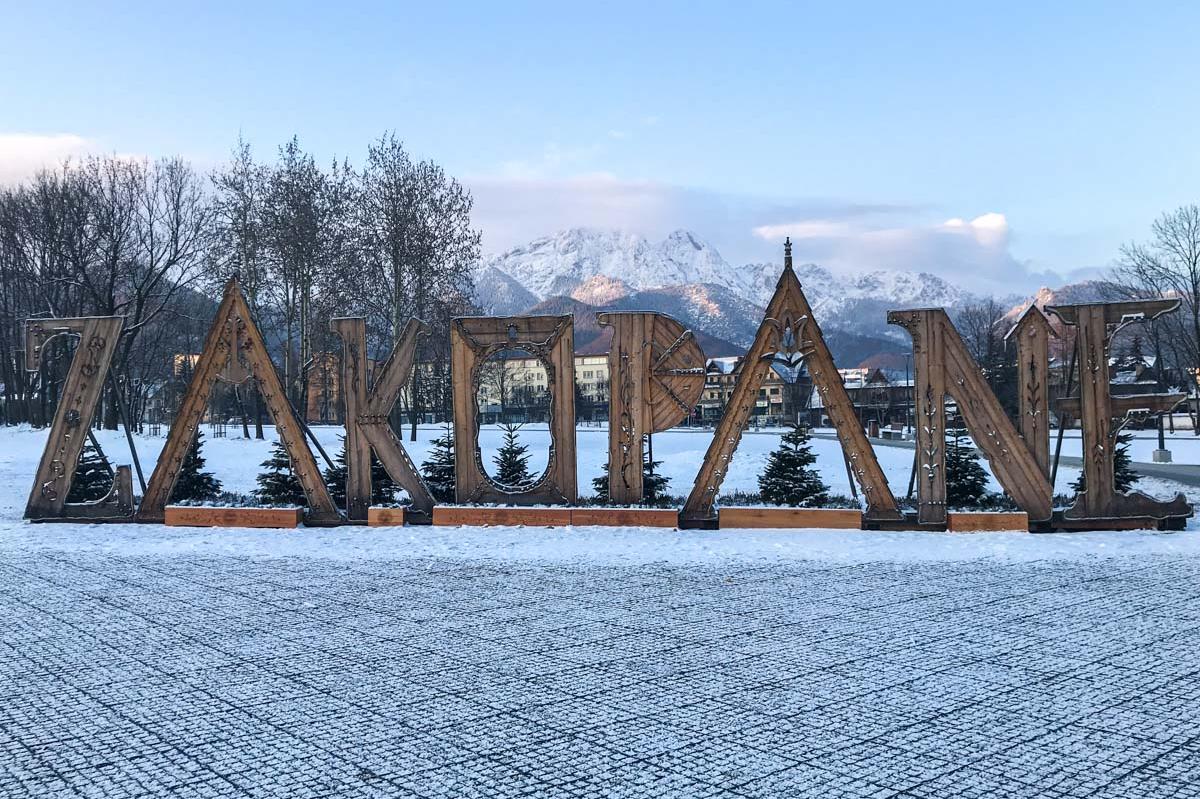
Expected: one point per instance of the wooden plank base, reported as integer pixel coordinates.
(970, 522)
(626, 517)
(459, 515)
(202, 516)
(385, 517)
(790, 518)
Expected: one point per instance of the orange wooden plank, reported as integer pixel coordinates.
(449, 515)
(821, 518)
(963, 522)
(385, 517)
(200, 516)
(626, 517)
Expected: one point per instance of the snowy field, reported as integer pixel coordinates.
(140, 660)
(236, 460)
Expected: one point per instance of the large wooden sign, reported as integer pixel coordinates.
(367, 412)
(1102, 415)
(943, 366)
(551, 341)
(233, 341)
(790, 332)
(655, 377)
(98, 336)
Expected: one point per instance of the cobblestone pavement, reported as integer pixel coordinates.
(197, 675)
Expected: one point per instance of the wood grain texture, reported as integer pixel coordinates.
(98, 338)
(625, 517)
(200, 516)
(790, 332)
(790, 518)
(656, 377)
(1102, 416)
(551, 340)
(942, 365)
(368, 409)
(385, 517)
(1032, 336)
(234, 327)
(960, 522)
(457, 516)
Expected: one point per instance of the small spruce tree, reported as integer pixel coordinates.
(1124, 477)
(277, 485)
(383, 490)
(512, 460)
(966, 481)
(438, 468)
(194, 483)
(93, 476)
(789, 478)
(654, 483)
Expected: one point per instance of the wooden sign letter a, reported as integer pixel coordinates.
(791, 334)
(1102, 415)
(367, 412)
(233, 335)
(656, 377)
(550, 340)
(98, 338)
(942, 365)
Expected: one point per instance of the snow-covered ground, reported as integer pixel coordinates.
(236, 461)
(443, 663)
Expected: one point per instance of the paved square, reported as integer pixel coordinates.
(199, 675)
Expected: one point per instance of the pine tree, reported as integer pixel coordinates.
(789, 478)
(966, 481)
(193, 483)
(278, 484)
(1124, 477)
(438, 468)
(93, 476)
(512, 460)
(383, 490)
(654, 484)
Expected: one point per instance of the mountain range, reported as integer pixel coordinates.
(585, 271)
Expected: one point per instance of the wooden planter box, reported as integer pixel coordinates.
(202, 516)
(962, 522)
(453, 516)
(790, 518)
(626, 517)
(385, 517)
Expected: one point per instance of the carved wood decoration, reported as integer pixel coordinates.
(942, 365)
(790, 332)
(656, 377)
(367, 411)
(232, 338)
(1102, 415)
(98, 337)
(551, 340)
(1032, 336)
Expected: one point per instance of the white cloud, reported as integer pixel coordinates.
(23, 154)
(808, 229)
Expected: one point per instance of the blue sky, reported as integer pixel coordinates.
(1046, 134)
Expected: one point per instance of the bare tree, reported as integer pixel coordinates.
(419, 249)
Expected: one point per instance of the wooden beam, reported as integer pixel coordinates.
(367, 418)
(233, 323)
(790, 331)
(1032, 336)
(656, 377)
(549, 339)
(942, 365)
(98, 337)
